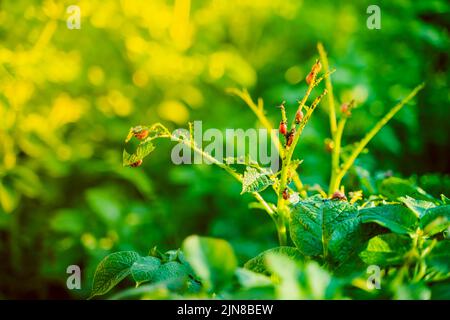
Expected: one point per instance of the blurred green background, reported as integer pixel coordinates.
(69, 97)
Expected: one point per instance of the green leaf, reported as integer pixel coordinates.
(111, 270)
(212, 260)
(298, 280)
(386, 250)
(173, 272)
(258, 263)
(144, 269)
(142, 150)
(103, 202)
(250, 279)
(419, 207)
(396, 218)
(326, 228)
(68, 221)
(145, 146)
(435, 220)
(394, 187)
(9, 198)
(412, 291)
(255, 180)
(287, 272)
(439, 257)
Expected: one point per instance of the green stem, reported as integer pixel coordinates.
(335, 155)
(281, 203)
(362, 144)
(258, 110)
(328, 85)
(230, 171)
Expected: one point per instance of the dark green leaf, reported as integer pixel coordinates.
(439, 257)
(396, 218)
(326, 228)
(394, 187)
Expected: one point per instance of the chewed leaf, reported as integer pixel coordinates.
(255, 180)
(156, 130)
(143, 150)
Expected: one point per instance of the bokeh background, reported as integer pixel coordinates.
(69, 97)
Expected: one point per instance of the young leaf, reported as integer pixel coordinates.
(386, 250)
(145, 146)
(144, 269)
(142, 150)
(396, 218)
(212, 260)
(255, 180)
(326, 228)
(435, 220)
(419, 207)
(258, 263)
(394, 187)
(439, 257)
(111, 270)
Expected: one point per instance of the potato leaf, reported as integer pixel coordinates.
(435, 220)
(396, 218)
(386, 250)
(111, 270)
(326, 228)
(144, 269)
(255, 180)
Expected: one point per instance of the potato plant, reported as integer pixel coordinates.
(333, 243)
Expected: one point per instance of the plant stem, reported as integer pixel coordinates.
(281, 205)
(258, 110)
(230, 171)
(336, 153)
(328, 85)
(335, 183)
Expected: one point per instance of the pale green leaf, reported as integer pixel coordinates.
(386, 249)
(212, 260)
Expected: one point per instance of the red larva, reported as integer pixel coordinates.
(136, 164)
(310, 78)
(285, 194)
(141, 135)
(298, 116)
(283, 128)
(290, 138)
(338, 196)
